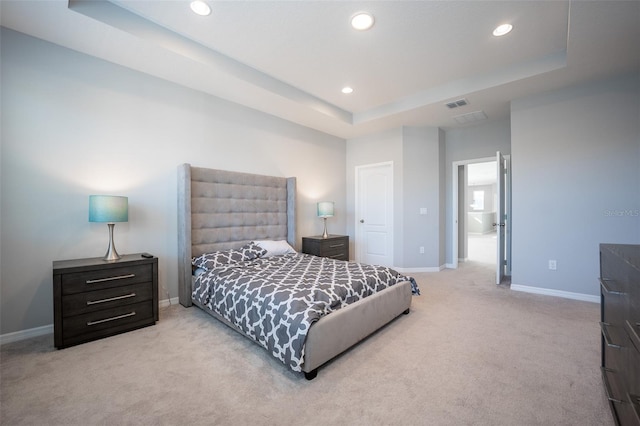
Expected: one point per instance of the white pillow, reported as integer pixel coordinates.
(275, 248)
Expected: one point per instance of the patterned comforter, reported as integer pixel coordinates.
(274, 300)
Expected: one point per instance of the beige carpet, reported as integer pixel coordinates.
(470, 353)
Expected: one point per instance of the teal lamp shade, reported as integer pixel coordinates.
(325, 210)
(109, 209)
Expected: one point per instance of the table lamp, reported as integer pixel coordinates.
(325, 210)
(110, 209)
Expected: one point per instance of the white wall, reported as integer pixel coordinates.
(73, 125)
(576, 182)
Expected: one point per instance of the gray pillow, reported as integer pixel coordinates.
(216, 259)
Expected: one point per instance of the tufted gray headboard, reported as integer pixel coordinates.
(219, 210)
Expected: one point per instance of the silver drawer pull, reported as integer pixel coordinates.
(336, 245)
(130, 314)
(633, 334)
(119, 277)
(95, 302)
(603, 283)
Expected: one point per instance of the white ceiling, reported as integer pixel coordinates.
(291, 58)
(482, 173)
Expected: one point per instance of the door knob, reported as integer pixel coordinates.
(361, 220)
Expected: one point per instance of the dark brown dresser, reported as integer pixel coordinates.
(93, 298)
(620, 324)
(334, 246)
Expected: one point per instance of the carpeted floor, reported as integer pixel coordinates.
(470, 353)
(482, 248)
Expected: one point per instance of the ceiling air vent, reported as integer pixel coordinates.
(456, 104)
(470, 117)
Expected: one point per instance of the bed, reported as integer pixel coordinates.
(223, 211)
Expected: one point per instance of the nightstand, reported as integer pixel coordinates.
(93, 298)
(335, 246)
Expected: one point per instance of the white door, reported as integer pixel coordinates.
(374, 214)
(500, 218)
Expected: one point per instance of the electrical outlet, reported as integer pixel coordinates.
(552, 265)
(421, 250)
(423, 210)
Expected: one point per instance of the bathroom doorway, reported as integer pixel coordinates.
(481, 210)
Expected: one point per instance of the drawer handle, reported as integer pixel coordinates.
(603, 284)
(119, 277)
(633, 333)
(605, 334)
(336, 245)
(607, 390)
(110, 299)
(130, 314)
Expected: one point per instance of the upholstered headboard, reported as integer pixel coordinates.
(219, 210)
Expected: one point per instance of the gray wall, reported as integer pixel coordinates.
(418, 156)
(73, 125)
(422, 169)
(468, 143)
(576, 160)
(378, 148)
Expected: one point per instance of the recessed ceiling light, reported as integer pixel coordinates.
(201, 8)
(502, 30)
(347, 90)
(362, 21)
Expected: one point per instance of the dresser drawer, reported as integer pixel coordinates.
(106, 322)
(633, 374)
(78, 282)
(91, 301)
(335, 247)
(614, 350)
(614, 301)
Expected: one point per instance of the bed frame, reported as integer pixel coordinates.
(219, 210)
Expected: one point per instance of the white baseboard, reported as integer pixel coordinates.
(167, 302)
(556, 293)
(26, 334)
(48, 329)
(414, 270)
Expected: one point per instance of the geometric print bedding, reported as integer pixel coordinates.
(274, 300)
(213, 260)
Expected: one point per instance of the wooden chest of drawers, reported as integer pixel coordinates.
(335, 246)
(620, 313)
(93, 298)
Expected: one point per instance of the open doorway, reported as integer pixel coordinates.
(480, 212)
(490, 213)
